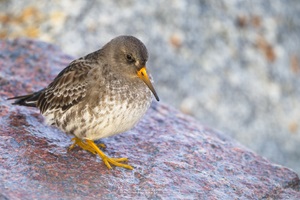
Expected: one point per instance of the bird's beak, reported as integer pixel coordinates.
(142, 74)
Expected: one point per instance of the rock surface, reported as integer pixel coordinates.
(173, 155)
(242, 57)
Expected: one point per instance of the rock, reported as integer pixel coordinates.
(173, 155)
(242, 57)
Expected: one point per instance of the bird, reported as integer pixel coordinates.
(98, 95)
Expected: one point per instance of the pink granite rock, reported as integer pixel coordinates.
(173, 155)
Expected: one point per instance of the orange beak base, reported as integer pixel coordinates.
(142, 74)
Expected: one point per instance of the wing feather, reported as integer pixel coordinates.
(67, 89)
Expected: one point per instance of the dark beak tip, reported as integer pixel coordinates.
(155, 95)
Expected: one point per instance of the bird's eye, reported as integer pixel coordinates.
(129, 58)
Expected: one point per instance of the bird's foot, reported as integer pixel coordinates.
(84, 146)
(90, 146)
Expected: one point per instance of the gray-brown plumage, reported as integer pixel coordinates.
(99, 95)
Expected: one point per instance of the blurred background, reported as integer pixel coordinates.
(232, 64)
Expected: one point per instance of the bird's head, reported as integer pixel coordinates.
(130, 56)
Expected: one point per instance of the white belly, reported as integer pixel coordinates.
(119, 120)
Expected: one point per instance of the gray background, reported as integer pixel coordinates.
(232, 64)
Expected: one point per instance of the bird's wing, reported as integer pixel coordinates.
(67, 89)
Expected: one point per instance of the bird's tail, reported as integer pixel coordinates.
(29, 100)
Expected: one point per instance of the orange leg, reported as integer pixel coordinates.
(84, 146)
(90, 146)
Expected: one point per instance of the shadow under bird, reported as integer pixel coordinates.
(99, 95)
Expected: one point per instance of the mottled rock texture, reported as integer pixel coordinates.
(235, 64)
(173, 155)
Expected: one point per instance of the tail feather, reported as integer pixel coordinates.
(29, 100)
